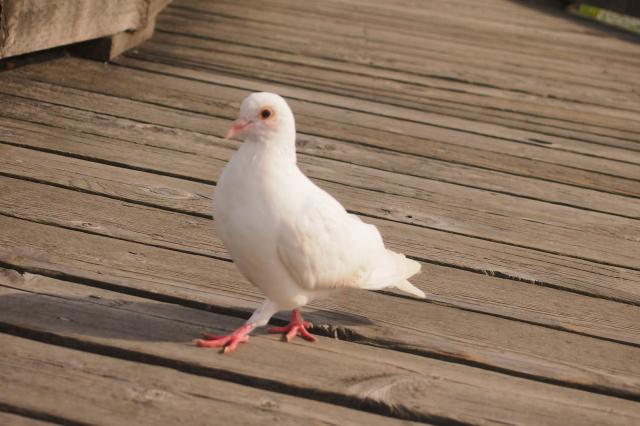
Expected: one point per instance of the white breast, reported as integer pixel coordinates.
(248, 205)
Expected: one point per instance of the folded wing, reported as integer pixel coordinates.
(325, 247)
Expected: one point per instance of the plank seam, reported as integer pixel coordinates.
(410, 73)
(267, 384)
(396, 295)
(335, 398)
(337, 332)
(146, 57)
(40, 415)
(385, 68)
(493, 273)
(168, 61)
(358, 143)
(424, 36)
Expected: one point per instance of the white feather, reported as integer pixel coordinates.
(287, 236)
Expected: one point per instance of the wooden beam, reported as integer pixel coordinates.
(33, 25)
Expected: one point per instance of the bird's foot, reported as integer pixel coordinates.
(230, 342)
(296, 326)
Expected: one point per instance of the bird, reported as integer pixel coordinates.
(287, 236)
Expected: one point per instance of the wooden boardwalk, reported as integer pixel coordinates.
(495, 142)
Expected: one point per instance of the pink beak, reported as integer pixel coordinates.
(237, 127)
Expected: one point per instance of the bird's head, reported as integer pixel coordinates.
(264, 116)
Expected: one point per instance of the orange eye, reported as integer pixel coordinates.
(266, 114)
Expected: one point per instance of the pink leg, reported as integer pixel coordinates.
(296, 326)
(229, 342)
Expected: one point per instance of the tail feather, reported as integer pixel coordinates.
(394, 271)
(407, 287)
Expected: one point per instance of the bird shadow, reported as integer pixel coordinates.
(122, 317)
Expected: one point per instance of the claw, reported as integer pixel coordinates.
(230, 342)
(297, 326)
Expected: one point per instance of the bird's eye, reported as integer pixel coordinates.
(265, 114)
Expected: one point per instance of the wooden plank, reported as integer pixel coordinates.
(383, 86)
(367, 55)
(313, 118)
(386, 47)
(334, 149)
(157, 332)
(486, 294)
(434, 111)
(507, 36)
(452, 145)
(115, 83)
(472, 122)
(108, 48)
(87, 388)
(500, 218)
(66, 22)
(341, 22)
(137, 188)
(413, 325)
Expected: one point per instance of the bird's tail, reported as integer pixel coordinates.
(393, 271)
(407, 287)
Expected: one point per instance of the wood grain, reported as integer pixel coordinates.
(497, 217)
(412, 325)
(160, 331)
(66, 22)
(382, 48)
(95, 389)
(251, 47)
(149, 112)
(362, 127)
(496, 142)
(136, 188)
(438, 112)
(195, 235)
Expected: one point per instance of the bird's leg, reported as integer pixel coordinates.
(228, 342)
(296, 326)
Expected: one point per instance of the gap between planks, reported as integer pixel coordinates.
(193, 198)
(417, 216)
(190, 241)
(457, 393)
(437, 331)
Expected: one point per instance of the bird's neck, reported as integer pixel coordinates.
(278, 148)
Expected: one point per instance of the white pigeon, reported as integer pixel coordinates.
(286, 235)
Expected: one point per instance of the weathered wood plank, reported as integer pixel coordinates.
(334, 149)
(433, 43)
(386, 89)
(93, 389)
(434, 246)
(277, 65)
(412, 325)
(146, 225)
(317, 119)
(506, 36)
(383, 47)
(66, 22)
(437, 112)
(160, 330)
(469, 148)
(498, 217)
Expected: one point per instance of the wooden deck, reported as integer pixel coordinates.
(496, 142)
